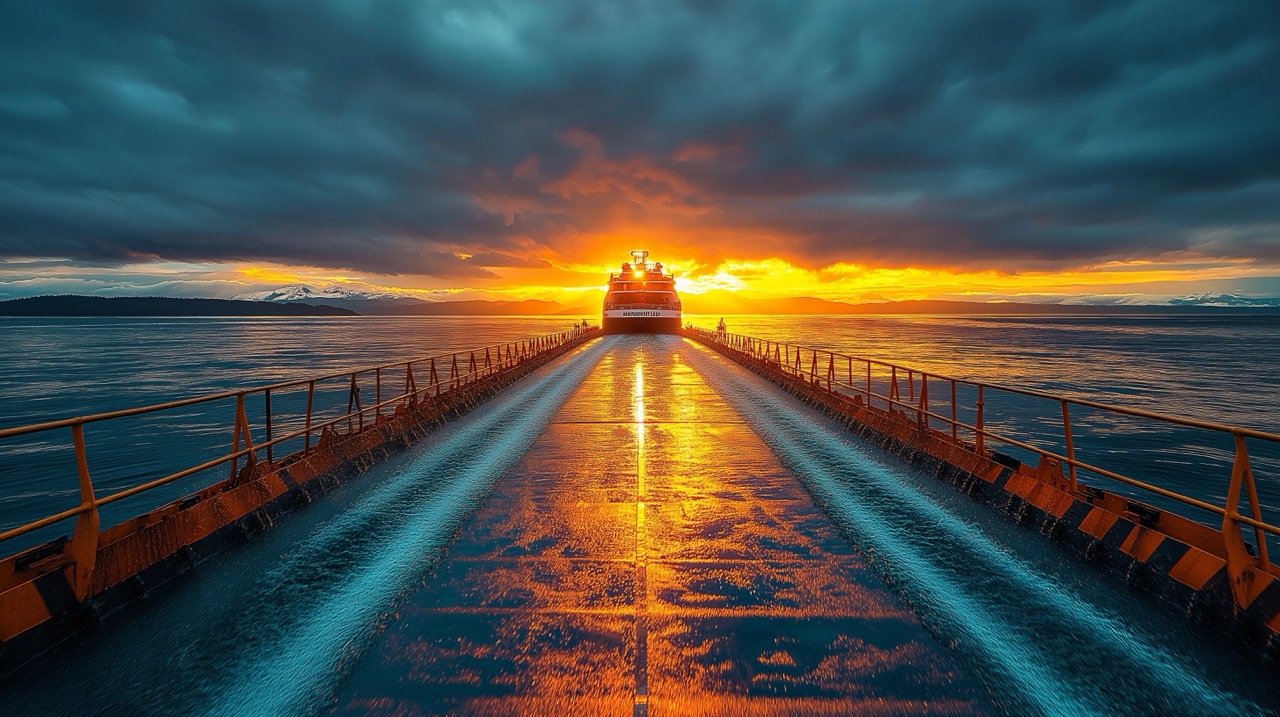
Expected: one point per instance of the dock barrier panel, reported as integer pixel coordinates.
(53, 590)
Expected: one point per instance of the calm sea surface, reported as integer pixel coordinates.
(1221, 368)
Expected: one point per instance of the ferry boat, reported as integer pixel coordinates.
(641, 299)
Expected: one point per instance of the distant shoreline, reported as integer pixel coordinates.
(76, 306)
(71, 306)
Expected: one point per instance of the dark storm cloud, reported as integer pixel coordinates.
(394, 136)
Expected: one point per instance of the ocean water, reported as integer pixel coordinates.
(1218, 368)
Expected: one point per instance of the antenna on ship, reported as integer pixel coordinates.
(638, 256)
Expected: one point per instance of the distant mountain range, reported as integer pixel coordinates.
(1226, 301)
(358, 301)
(306, 294)
(384, 304)
(71, 305)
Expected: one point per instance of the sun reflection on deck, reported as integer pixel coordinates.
(642, 540)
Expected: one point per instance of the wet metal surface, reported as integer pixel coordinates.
(649, 554)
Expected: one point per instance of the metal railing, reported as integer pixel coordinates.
(850, 375)
(654, 305)
(414, 380)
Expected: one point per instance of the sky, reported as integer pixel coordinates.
(1032, 150)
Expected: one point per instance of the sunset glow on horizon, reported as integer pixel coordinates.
(709, 286)
(775, 278)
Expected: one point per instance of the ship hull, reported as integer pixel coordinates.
(641, 321)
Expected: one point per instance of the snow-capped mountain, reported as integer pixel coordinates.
(1224, 300)
(362, 302)
(307, 294)
(387, 304)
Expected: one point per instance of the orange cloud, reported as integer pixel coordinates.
(635, 180)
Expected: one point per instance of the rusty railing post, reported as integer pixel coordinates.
(242, 431)
(353, 399)
(979, 435)
(1238, 558)
(954, 437)
(82, 549)
(410, 385)
(1255, 508)
(922, 409)
(311, 394)
(267, 409)
(1071, 446)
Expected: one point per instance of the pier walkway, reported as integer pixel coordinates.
(649, 552)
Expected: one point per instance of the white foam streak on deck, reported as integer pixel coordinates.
(330, 624)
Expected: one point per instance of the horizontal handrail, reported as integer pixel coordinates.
(786, 357)
(231, 393)
(654, 306)
(1114, 408)
(185, 472)
(455, 372)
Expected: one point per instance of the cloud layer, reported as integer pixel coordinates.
(448, 139)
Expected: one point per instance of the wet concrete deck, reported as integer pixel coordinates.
(650, 554)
